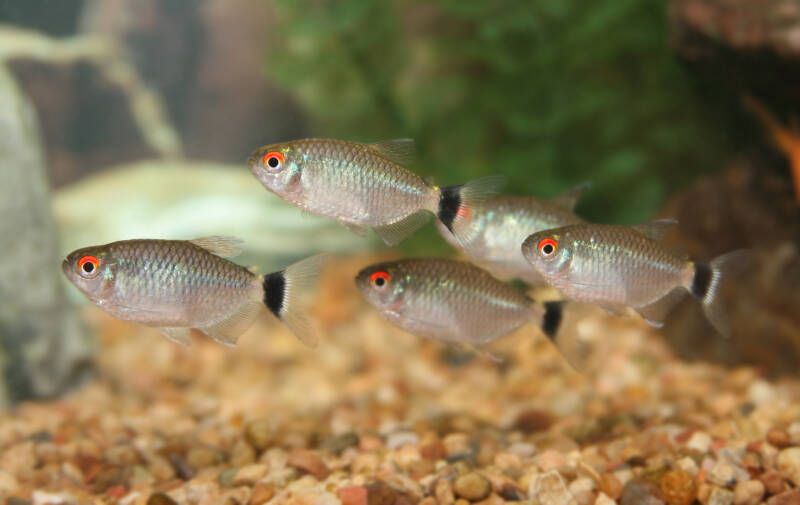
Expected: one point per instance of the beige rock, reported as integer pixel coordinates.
(788, 462)
(748, 492)
(472, 486)
(249, 475)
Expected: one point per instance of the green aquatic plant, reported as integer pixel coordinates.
(551, 94)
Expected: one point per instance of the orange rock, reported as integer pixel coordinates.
(352, 495)
(262, 493)
(679, 488)
(309, 462)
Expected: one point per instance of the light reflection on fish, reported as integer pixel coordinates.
(176, 285)
(365, 186)
(500, 224)
(452, 301)
(626, 266)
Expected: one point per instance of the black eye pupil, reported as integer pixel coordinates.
(88, 267)
(547, 249)
(380, 281)
(273, 161)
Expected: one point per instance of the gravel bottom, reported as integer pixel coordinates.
(375, 416)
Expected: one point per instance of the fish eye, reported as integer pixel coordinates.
(273, 159)
(380, 279)
(88, 266)
(548, 247)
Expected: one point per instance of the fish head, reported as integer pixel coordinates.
(91, 270)
(548, 252)
(276, 166)
(382, 285)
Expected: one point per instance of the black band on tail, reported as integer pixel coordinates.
(702, 280)
(275, 292)
(553, 313)
(449, 202)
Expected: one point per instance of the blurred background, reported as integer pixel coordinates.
(126, 119)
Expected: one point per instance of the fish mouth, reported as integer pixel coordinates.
(251, 162)
(65, 267)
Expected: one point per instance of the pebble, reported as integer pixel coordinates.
(225, 477)
(603, 499)
(242, 453)
(472, 486)
(401, 438)
(258, 433)
(199, 457)
(433, 451)
(638, 492)
(341, 442)
(249, 475)
(787, 498)
(789, 464)
(262, 493)
(533, 420)
(309, 462)
(443, 491)
(773, 482)
(678, 488)
(726, 474)
(45, 498)
(721, 496)
(352, 495)
(8, 483)
(456, 443)
(160, 499)
(778, 437)
(549, 489)
(699, 441)
(610, 485)
(748, 492)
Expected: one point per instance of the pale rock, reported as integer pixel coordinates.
(789, 464)
(748, 492)
(721, 496)
(699, 441)
(549, 489)
(400, 438)
(603, 499)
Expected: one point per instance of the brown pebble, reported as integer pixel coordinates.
(787, 498)
(200, 457)
(258, 433)
(611, 486)
(678, 487)
(309, 462)
(160, 499)
(779, 437)
(182, 468)
(430, 500)
(262, 493)
(249, 475)
(773, 482)
(381, 493)
(433, 451)
(352, 495)
(472, 486)
(242, 453)
(341, 442)
(533, 420)
(638, 492)
(748, 492)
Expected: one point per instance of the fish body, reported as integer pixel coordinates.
(177, 285)
(448, 300)
(363, 185)
(502, 223)
(627, 266)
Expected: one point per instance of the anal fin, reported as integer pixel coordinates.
(182, 336)
(228, 330)
(656, 313)
(399, 231)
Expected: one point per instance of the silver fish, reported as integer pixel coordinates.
(452, 301)
(626, 266)
(500, 224)
(365, 186)
(177, 285)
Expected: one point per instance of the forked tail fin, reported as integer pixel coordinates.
(283, 291)
(710, 277)
(458, 203)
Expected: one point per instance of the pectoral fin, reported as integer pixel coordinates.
(400, 230)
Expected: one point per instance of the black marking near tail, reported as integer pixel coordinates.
(553, 313)
(275, 292)
(702, 280)
(449, 202)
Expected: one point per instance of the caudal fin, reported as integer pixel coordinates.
(710, 278)
(283, 291)
(457, 204)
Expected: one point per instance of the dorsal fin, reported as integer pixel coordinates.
(569, 198)
(400, 151)
(227, 247)
(657, 229)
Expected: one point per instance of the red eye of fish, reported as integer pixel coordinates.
(380, 279)
(548, 247)
(88, 264)
(273, 159)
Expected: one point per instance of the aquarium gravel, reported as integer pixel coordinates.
(375, 416)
